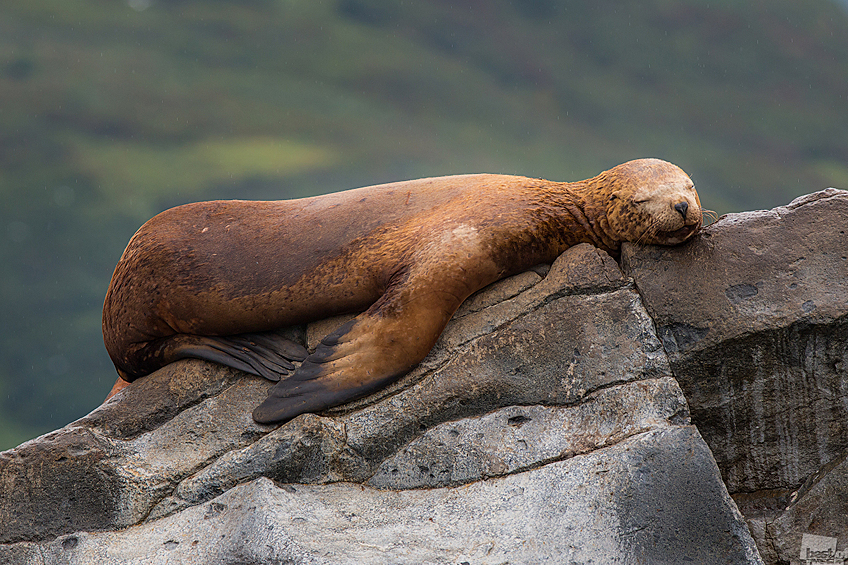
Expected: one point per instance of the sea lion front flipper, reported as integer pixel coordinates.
(395, 333)
(314, 386)
(363, 355)
(266, 354)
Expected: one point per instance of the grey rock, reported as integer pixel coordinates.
(309, 450)
(85, 476)
(754, 317)
(536, 359)
(633, 502)
(548, 406)
(57, 483)
(518, 438)
(747, 273)
(507, 289)
(819, 507)
(520, 363)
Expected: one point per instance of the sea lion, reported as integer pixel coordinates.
(213, 280)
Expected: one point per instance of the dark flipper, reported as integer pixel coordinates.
(385, 342)
(361, 357)
(312, 388)
(263, 354)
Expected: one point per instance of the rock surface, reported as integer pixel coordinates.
(754, 317)
(547, 425)
(558, 513)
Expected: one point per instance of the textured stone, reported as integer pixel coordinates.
(754, 317)
(653, 498)
(757, 335)
(548, 408)
(111, 467)
(819, 507)
(504, 290)
(748, 273)
(568, 348)
(158, 397)
(609, 339)
(55, 484)
(524, 437)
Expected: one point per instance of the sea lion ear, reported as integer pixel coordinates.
(616, 197)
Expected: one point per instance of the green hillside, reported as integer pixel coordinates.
(111, 111)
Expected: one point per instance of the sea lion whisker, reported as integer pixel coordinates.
(650, 231)
(712, 215)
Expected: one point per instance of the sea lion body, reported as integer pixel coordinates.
(210, 279)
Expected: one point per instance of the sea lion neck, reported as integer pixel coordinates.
(580, 209)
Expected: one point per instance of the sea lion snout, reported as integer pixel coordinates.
(657, 203)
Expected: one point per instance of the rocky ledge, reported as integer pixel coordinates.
(549, 424)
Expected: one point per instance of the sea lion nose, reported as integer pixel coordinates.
(682, 207)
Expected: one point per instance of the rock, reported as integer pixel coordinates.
(55, 484)
(819, 507)
(545, 425)
(754, 317)
(517, 438)
(563, 512)
(103, 470)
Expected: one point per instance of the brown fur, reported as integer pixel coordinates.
(410, 252)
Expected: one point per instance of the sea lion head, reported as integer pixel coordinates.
(651, 201)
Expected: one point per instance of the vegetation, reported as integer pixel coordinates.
(112, 111)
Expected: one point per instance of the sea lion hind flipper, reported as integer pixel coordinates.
(278, 345)
(263, 354)
(266, 355)
(214, 354)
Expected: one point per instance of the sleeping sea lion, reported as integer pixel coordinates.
(213, 280)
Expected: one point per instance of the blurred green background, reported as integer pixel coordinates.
(113, 110)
